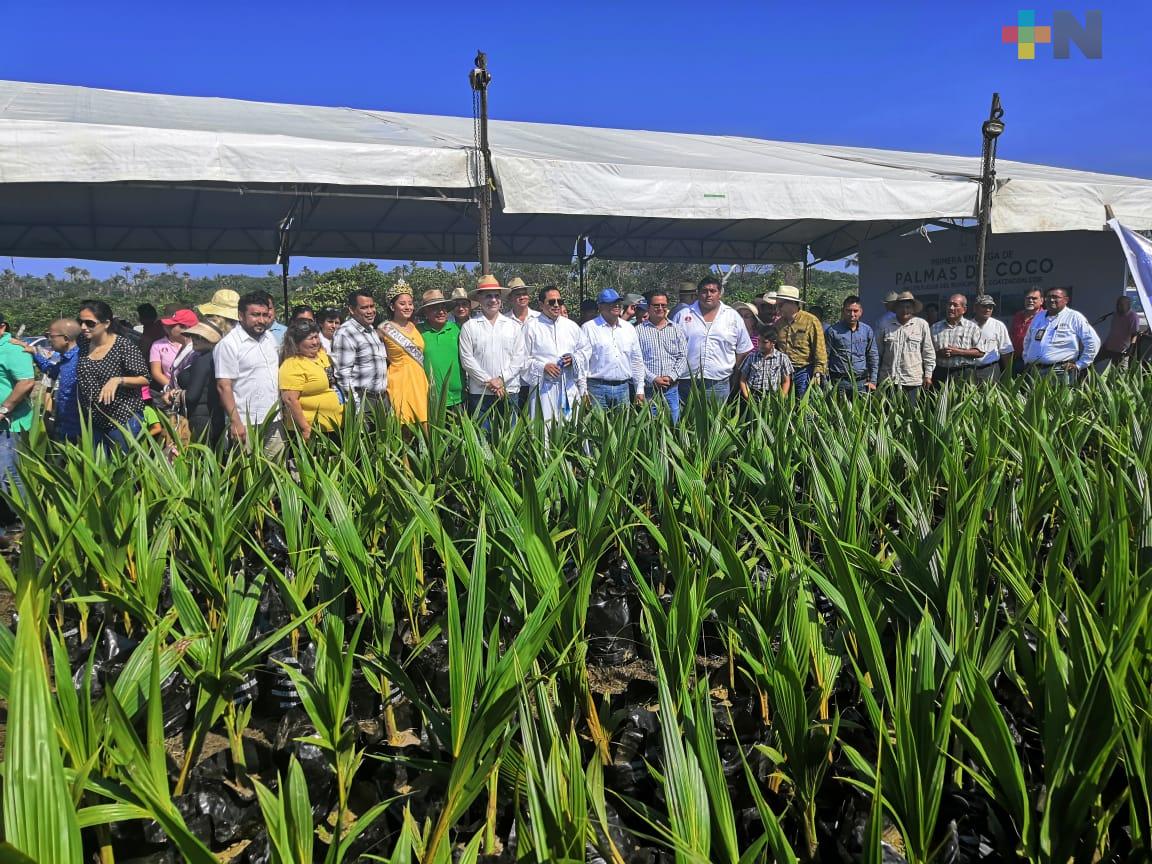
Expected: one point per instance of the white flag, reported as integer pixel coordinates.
(1138, 251)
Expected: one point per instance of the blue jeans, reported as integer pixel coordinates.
(851, 386)
(109, 438)
(9, 459)
(801, 378)
(609, 395)
(670, 397)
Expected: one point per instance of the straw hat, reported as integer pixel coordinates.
(687, 288)
(223, 303)
(434, 297)
(516, 285)
(789, 292)
(206, 330)
(908, 295)
(487, 282)
(890, 297)
(769, 298)
(399, 289)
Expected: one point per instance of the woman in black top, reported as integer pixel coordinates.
(196, 377)
(109, 374)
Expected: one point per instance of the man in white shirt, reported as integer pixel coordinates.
(1060, 343)
(552, 375)
(995, 341)
(247, 372)
(491, 351)
(610, 355)
(520, 311)
(718, 342)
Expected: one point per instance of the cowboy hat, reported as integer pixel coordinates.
(909, 296)
(746, 307)
(789, 292)
(890, 297)
(768, 297)
(435, 297)
(687, 288)
(223, 303)
(487, 282)
(516, 285)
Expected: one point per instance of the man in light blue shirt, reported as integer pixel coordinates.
(1060, 342)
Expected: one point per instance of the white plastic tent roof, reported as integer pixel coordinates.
(102, 174)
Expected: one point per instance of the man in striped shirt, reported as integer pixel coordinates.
(665, 350)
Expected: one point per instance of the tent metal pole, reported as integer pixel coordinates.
(284, 255)
(991, 130)
(804, 284)
(479, 78)
(582, 258)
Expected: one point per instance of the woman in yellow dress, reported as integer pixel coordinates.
(407, 381)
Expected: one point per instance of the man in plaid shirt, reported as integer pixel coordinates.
(358, 353)
(665, 350)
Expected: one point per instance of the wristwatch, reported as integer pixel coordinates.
(4, 409)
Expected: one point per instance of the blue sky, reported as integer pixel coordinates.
(913, 76)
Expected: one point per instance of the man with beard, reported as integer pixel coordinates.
(247, 373)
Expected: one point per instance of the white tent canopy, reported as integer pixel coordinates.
(100, 174)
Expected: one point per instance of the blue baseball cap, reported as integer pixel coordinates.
(608, 296)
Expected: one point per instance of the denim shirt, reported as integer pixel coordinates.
(852, 353)
(61, 368)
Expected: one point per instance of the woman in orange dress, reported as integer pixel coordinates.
(407, 380)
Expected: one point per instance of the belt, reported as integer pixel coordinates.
(988, 365)
(1052, 365)
(606, 381)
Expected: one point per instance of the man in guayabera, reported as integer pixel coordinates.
(1021, 321)
(994, 340)
(853, 353)
(957, 343)
(1060, 343)
(801, 338)
(907, 358)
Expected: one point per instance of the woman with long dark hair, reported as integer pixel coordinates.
(110, 373)
(307, 383)
(407, 380)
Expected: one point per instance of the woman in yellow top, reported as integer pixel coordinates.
(307, 387)
(407, 380)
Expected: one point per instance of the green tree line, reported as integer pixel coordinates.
(34, 301)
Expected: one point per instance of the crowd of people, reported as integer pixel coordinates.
(229, 367)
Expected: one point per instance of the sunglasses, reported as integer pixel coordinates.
(86, 322)
(553, 302)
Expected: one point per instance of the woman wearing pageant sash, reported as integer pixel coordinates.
(407, 381)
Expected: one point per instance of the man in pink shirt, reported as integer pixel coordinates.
(1118, 347)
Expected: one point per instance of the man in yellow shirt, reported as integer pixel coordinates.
(801, 338)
